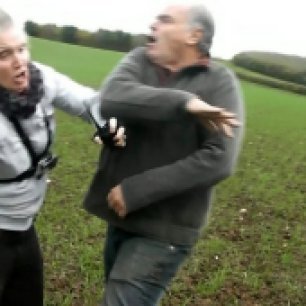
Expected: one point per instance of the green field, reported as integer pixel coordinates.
(254, 256)
(86, 65)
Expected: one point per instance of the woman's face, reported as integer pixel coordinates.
(14, 59)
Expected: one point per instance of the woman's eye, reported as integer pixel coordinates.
(22, 49)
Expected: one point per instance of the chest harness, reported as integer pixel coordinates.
(40, 162)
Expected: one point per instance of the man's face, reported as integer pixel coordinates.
(14, 59)
(169, 35)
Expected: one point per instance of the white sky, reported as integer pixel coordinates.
(241, 25)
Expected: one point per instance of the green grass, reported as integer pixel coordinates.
(255, 257)
(86, 65)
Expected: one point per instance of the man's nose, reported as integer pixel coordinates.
(153, 26)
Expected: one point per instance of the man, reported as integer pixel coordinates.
(155, 195)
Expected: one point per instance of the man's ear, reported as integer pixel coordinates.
(194, 37)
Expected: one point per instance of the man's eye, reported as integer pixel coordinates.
(4, 54)
(165, 19)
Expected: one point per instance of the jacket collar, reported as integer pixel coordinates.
(165, 74)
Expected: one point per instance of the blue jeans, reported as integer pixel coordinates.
(138, 269)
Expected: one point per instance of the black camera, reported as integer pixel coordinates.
(46, 163)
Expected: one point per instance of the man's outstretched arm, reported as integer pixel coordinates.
(126, 97)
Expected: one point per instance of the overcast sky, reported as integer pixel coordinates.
(241, 25)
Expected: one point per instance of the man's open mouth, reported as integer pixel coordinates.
(151, 39)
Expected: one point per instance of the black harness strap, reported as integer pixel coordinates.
(35, 158)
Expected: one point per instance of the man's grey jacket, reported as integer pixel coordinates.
(171, 163)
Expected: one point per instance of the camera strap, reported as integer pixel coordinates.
(35, 158)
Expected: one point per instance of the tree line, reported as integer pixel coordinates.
(289, 68)
(104, 39)
(287, 72)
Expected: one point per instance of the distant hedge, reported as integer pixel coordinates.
(296, 88)
(285, 67)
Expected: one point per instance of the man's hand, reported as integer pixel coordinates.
(116, 201)
(214, 118)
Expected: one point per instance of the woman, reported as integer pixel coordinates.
(28, 94)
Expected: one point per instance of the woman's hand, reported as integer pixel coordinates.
(111, 134)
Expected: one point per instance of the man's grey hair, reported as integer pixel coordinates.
(199, 17)
(5, 20)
